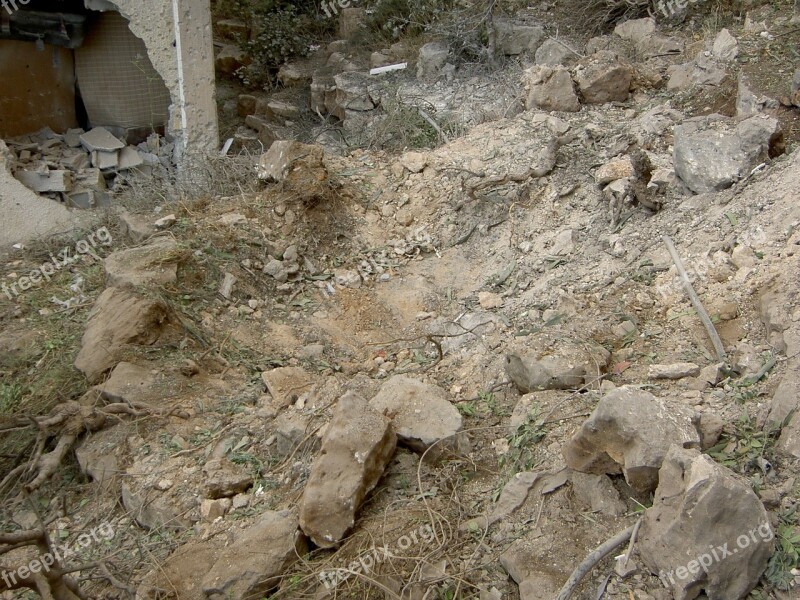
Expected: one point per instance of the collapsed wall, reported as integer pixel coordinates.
(178, 38)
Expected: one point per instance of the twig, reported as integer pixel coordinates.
(434, 124)
(698, 306)
(589, 563)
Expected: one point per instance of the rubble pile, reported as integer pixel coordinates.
(80, 168)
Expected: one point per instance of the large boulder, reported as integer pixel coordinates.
(630, 432)
(712, 153)
(707, 531)
(119, 317)
(550, 88)
(358, 444)
(422, 414)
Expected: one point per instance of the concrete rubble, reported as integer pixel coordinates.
(79, 168)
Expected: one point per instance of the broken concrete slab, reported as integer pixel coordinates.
(129, 158)
(103, 159)
(101, 139)
(46, 181)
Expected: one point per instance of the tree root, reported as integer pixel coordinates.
(67, 422)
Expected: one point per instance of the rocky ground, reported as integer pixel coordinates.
(444, 373)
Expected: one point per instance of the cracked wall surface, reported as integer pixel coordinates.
(178, 38)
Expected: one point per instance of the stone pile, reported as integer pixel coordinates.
(78, 167)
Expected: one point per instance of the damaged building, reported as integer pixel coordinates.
(92, 89)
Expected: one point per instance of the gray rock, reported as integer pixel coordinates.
(286, 384)
(224, 479)
(323, 91)
(354, 92)
(701, 72)
(290, 431)
(706, 530)
(255, 561)
(547, 373)
(598, 493)
(725, 46)
(433, 56)
(358, 444)
(151, 509)
(673, 371)
(423, 416)
(711, 153)
(127, 383)
(605, 78)
(630, 431)
(550, 89)
(513, 39)
(285, 155)
(553, 53)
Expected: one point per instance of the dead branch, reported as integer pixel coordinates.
(591, 561)
(698, 306)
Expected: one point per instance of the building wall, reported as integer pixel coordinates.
(26, 103)
(178, 38)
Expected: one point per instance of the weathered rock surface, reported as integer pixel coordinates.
(118, 317)
(553, 53)
(153, 264)
(547, 373)
(785, 410)
(630, 431)
(127, 383)
(422, 415)
(354, 92)
(286, 384)
(550, 89)
(604, 79)
(702, 71)
(725, 46)
(712, 153)
(514, 39)
(706, 531)
(224, 479)
(286, 156)
(357, 446)
(673, 371)
(250, 566)
(432, 58)
(598, 493)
